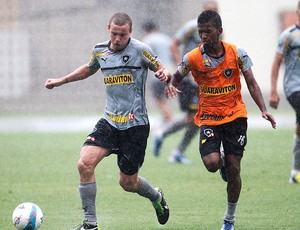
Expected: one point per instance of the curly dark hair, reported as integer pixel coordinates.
(210, 16)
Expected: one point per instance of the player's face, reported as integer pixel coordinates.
(209, 34)
(119, 36)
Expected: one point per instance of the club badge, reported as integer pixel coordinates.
(228, 72)
(125, 59)
(208, 132)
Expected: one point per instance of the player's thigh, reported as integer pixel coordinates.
(91, 155)
(294, 101)
(210, 140)
(131, 154)
(234, 136)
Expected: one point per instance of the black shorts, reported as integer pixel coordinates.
(130, 144)
(294, 100)
(232, 135)
(188, 97)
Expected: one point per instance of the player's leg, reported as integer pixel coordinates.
(234, 140)
(89, 158)
(294, 100)
(131, 155)
(188, 100)
(178, 154)
(209, 147)
(170, 128)
(295, 171)
(91, 154)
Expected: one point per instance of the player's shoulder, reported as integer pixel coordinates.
(239, 51)
(289, 31)
(138, 44)
(101, 45)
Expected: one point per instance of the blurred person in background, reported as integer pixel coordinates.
(161, 45)
(288, 52)
(186, 39)
(124, 127)
(216, 66)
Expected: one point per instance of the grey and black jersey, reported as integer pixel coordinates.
(125, 75)
(289, 48)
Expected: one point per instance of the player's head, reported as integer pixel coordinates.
(149, 26)
(209, 27)
(210, 16)
(119, 28)
(121, 19)
(211, 5)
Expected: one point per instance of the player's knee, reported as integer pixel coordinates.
(127, 184)
(83, 168)
(212, 167)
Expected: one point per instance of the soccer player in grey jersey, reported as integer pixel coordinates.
(124, 128)
(288, 51)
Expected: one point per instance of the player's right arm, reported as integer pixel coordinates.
(274, 97)
(79, 74)
(183, 69)
(171, 89)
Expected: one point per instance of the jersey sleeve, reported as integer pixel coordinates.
(184, 67)
(283, 42)
(244, 60)
(93, 63)
(150, 59)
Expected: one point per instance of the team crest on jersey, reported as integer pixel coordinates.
(228, 72)
(208, 132)
(125, 59)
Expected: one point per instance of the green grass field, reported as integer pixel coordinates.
(41, 168)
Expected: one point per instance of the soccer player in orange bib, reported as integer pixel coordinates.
(222, 116)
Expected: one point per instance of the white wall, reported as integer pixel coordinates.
(254, 25)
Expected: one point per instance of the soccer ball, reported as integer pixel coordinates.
(27, 216)
(296, 178)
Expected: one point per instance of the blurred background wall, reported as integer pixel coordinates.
(43, 39)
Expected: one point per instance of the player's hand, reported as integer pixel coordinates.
(163, 74)
(274, 100)
(270, 118)
(51, 83)
(171, 91)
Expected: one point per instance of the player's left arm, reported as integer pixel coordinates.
(256, 95)
(162, 73)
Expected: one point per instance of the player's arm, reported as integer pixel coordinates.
(162, 73)
(256, 95)
(171, 89)
(81, 73)
(274, 97)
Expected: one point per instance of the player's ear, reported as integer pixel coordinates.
(220, 31)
